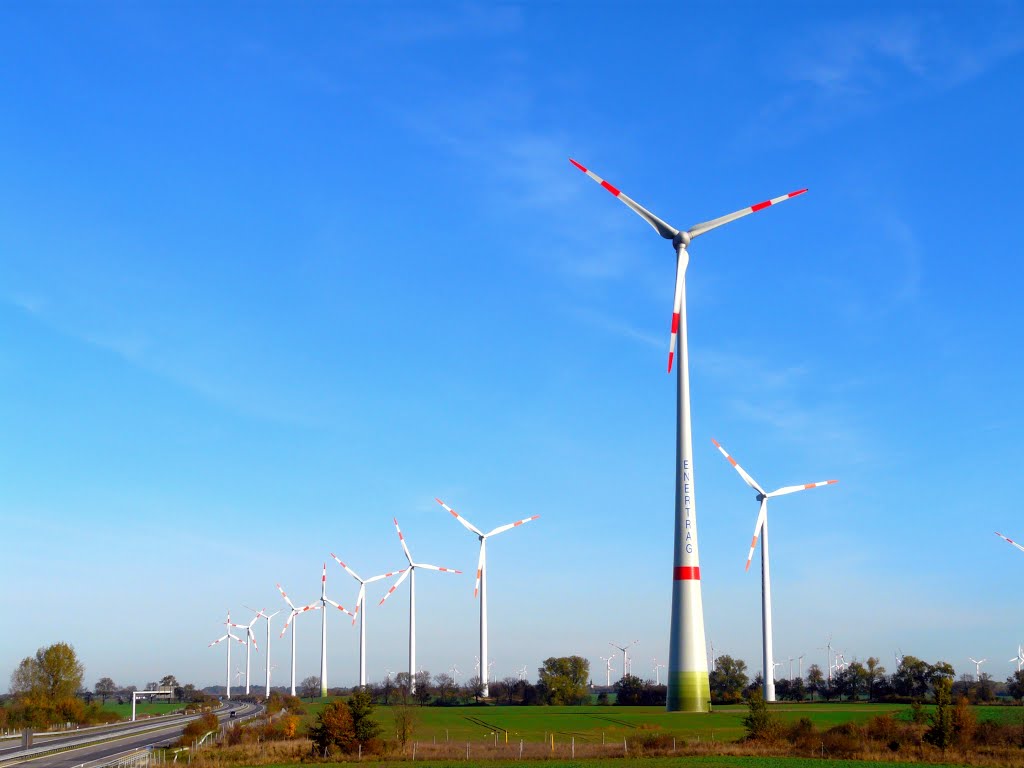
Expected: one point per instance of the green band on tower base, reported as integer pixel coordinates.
(688, 692)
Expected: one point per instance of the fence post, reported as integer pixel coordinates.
(520, 749)
(625, 751)
(573, 747)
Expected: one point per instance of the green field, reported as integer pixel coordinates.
(142, 708)
(592, 725)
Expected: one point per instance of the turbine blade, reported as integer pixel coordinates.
(323, 583)
(663, 228)
(707, 226)
(395, 586)
(360, 602)
(1010, 541)
(436, 568)
(677, 304)
(795, 488)
(468, 525)
(291, 616)
(510, 526)
(762, 513)
(480, 566)
(217, 641)
(340, 607)
(290, 604)
(401, 538)
(351, 572)
(387, 575)
(252, 639)
(746, 478)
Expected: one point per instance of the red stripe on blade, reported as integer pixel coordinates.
(577, 165)
(610, 188)
(686, 573)
(759, 206)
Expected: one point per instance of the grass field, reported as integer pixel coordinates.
(594, 725)
(142, 708)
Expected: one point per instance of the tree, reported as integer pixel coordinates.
(105, 687)
(171, 682)
(1015, 685)
(333, 728)
(728, 679)
(941, 733)
(760, 723)
(360, 707)
(444, 685)
(875, 672)
(403, 687)
(629, 691)
(422, 693)
(815, 680)
(310, 687)
(564, 679)
(53, 674)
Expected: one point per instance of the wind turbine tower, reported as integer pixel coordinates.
(324, 601)
(361, 611)
(688, 685)
(625, 655)
(291, 619)
(410, 573)
(761, 531)
(261, 614)
(480, 588)
(227, 668)
(607, 669)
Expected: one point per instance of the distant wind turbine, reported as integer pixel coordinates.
(410, 573)
(261, 614)
(977, 666)
(480, 589)
(229, 637)
(291, 618)
(761, 530)
(1019, 658)
(625, 655)
(607, 669)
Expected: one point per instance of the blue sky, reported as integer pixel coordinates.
(273, 274)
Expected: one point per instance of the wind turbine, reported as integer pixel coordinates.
(800, 665)
(522, 673)
(761, 530)
(261, 614)
(977, 666)
(480, 588)
(410, 573)
(361, 611)
(324, 600)
(607, 669)
(291, 617)
(688, 685)
(1019, 658)
(455, 673)
(657, 671)
(625, 655)
(250, 642)
(228, 625)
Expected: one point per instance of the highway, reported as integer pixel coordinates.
(164, 734)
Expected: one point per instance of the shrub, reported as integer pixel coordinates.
(844, 740)
(334, 729)
(761, 724)
(199, 727)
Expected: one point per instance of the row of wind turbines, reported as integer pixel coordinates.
(359, 613)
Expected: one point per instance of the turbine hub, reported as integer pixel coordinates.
(682, 239)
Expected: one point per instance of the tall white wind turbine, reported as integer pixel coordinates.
(977, 667)
(625, 655)
(688, 685)
(250, 643)
(607, 669)
(261, 614)
(361, 611)
(229, 637)
(761, 531)
(291, 618)
(480, 588)
(324, 602)
(410, 574)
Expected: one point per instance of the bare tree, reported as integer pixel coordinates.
(310, 687)
(444, 685)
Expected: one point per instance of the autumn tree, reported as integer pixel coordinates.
(53, 674)
(334, 728)
(564, 679)
(310, 687)
(728, 679)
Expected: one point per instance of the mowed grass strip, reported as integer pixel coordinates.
(699, 761)
(596, 725)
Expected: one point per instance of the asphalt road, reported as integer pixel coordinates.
(14, 745)
(88, 755)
